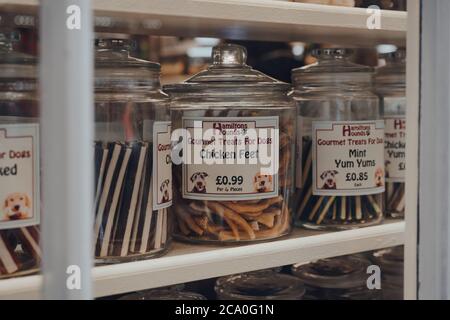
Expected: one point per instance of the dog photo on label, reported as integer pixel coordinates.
(263, 183)
(329, 179)
(17, 206)
(164, 188)
(198, 180)
(379, 177)
(387, 164)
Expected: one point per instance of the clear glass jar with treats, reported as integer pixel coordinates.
(133, 177)
(390, 84)
(19, 161)
(340, 144)
(233, 176)
(342, 278)
(260, 285)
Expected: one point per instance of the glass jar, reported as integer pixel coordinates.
(233, 152)
(133, 177)
(390, 84)
(343, 278)
(340, 146)
(260, 285)
(163, 294)
(19, 161)
(391, 262)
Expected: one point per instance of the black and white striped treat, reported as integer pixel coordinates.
(126, 227)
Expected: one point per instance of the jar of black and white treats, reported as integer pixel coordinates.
(133, 177)
(340, 176)
(20, 253)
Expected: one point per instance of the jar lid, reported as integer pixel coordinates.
(18, 69)
(266, 285)
(229, 73)
(334, 273)
(333, 67)
(163, 294)
(393, 74)
(116, 69)
(390, 260)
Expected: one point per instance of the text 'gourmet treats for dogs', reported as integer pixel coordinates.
(340, 174)
(233, 156)
(19, 162)
(133, 167)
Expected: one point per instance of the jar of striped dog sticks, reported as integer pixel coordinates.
(19, 161)
(340, 168)
(133, 177)
(233, 158)
(390, 84)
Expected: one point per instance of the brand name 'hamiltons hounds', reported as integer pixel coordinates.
(356, 131)
(230, 126)
(400, 124)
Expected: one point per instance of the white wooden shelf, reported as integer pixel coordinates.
(186, 263)
(242, 19)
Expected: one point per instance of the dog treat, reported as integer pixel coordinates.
(235, 180)
(19, 162)
(133, 172)
(20, 253)
(126, 225)
(390, 86)
(340, 176)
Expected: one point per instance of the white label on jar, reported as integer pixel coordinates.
(299, 154)
(19, 176)
(348, 158)
(395, 148)
(162, 165)
(231, 158)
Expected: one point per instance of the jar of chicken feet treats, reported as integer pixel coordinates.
(340, 144)
(19, 161)
(390, 84)
(233, 151)
(133, 177)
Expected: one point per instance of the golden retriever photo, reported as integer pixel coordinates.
(17, 206)
(263, 183)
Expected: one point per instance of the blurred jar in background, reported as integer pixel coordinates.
(260, 285)
(390, 85)
(20, 253)
(342, 278)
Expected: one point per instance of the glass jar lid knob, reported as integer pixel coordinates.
(229, 55)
